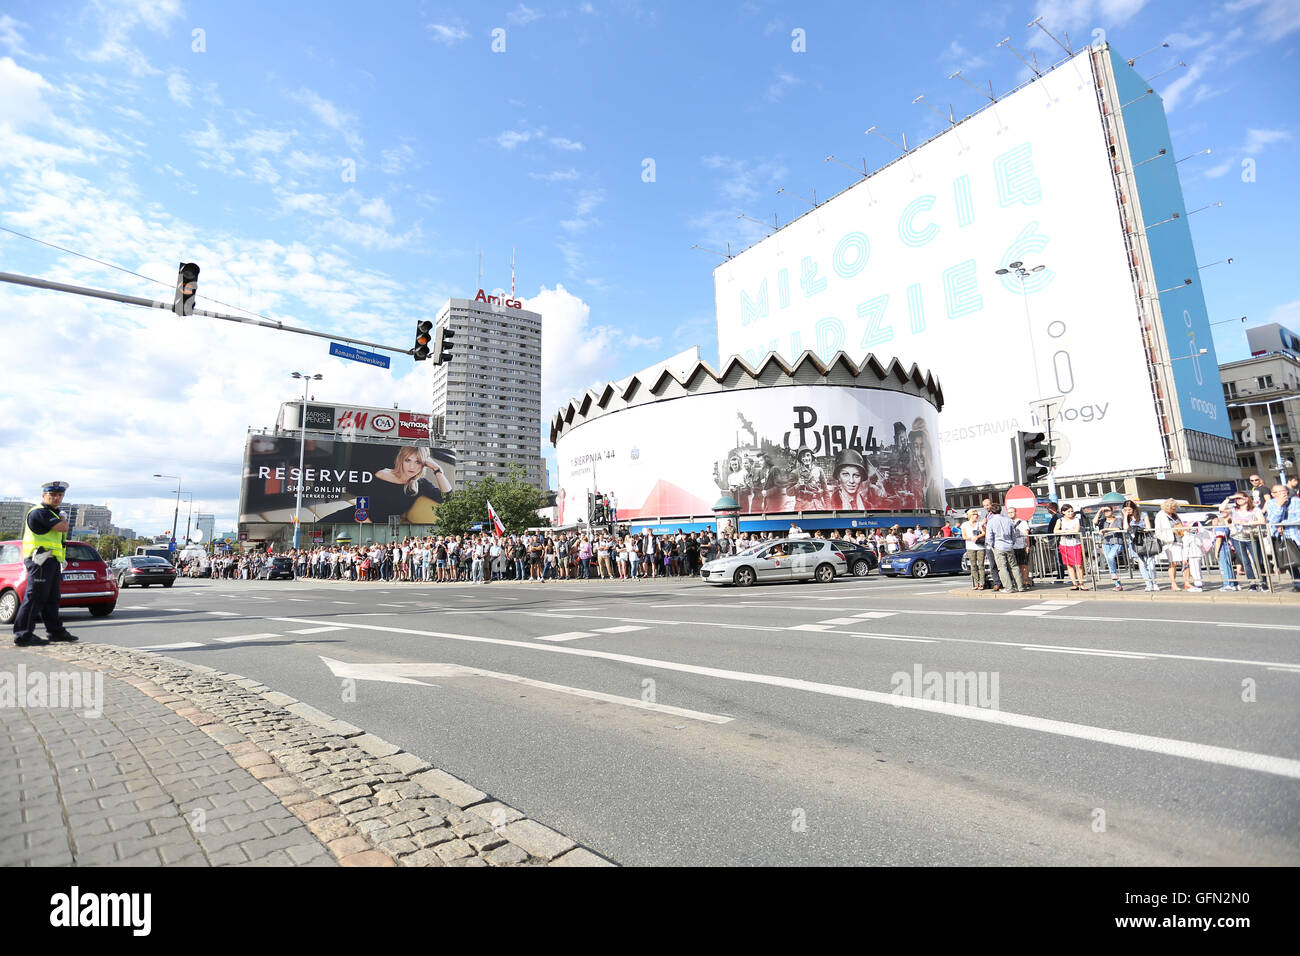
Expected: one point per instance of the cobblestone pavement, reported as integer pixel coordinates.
(190, 766)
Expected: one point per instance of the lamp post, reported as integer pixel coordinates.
(189, 517)
(176, 514)
(307, 379)
(1023, 272)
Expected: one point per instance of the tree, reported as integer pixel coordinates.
(515, 500)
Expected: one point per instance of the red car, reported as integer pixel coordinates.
(86, 581)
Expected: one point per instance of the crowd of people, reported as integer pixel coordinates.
(1250, 532)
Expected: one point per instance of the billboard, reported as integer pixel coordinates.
(406, 481)
(1173, 258)
(353, 421)
(904, 264)
(773, 449)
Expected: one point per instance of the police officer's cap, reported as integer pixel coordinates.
(55, 487)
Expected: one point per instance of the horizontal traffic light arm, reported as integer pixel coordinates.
(36, 283)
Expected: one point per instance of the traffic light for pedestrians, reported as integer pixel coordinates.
(421, 350)
(187, 287)
(442, 345)
(1034, 456)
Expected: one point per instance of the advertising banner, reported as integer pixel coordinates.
(904, 264)
(319, 417)
(406, 481)
(781, 449)
(354, 422)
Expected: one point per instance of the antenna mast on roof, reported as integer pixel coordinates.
(480, 269)
(512, 272)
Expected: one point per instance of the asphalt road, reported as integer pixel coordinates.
(670, 722)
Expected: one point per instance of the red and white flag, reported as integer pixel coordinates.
(498, 528)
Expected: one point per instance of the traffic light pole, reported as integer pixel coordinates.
(36, 283)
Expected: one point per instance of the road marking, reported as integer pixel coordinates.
(169, 647)
(1286, 670)
(567, 636)
(1071, 650)
(393, 672)
(1026, 613)
(1207, 753)
(179, 610)
(382, 604)
(301, 600)
(839, 620)
(807, 627)
(874, 614)
(243, 637)
(621, 629)
(225, 613)
(317, 630)
(343, 602)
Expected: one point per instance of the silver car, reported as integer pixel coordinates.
(809, 559)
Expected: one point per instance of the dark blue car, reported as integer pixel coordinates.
(936, 556)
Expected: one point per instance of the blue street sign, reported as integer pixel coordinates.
(358, 355)
(363, 503)
(1212, 492)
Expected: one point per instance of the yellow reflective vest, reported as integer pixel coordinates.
(51, 540)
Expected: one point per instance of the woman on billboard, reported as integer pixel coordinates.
(403, 489)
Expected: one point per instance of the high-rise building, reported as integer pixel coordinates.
(12, 513)
(207, 524)
(1261, 393)
(489, 396)
(98, 518)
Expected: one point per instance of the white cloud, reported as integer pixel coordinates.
(783, 82)
(447, 35)
(118, 19)
(20, 95)
(1222, 169)
(376, 210)
(1257, 139)
(559, 142)
(556, 176)
(178, 88)
(512, 138)
(1174, 92)
(336, 119)
(1277, 18)
(522, 15)
(264, 172)
(577, 354)
(588, 200)
(1079, 18)
(396, 160)
(10, 37)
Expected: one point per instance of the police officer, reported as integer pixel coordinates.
(44, 532)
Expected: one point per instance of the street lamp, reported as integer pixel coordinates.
(307, 379)
(176, 514)
(189, 517)
(1023, 272)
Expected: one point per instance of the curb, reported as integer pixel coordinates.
(1165, 596)
(471, 828)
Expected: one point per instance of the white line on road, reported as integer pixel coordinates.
(809, 627)
(243, 637)
(1026, 612)
(839, 620)
(343, 602)
(169, 647)
(874, 614)
(394, 672)
(621, 629)
(225, 613)
(300, 600)
(1222, 756)
(316, 630)
(1071, 650)
(567, 636)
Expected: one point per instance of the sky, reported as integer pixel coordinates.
(343, 167)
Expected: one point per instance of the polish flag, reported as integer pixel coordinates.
(498, 528)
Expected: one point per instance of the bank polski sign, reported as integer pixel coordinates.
(903, 264)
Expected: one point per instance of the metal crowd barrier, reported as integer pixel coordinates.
(1254, 561)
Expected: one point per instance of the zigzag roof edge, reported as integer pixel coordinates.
(578, 409)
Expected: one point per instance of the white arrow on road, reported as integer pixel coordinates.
(403, 674)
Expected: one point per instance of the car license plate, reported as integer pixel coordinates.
(78, 575)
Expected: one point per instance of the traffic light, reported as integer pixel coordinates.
(442, 345)
(1033, 456)
(187, 287)
(421, 349)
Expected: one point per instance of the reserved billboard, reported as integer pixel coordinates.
(356, 422)
(403, 481)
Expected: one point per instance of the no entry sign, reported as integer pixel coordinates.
(1021, 502)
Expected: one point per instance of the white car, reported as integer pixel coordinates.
(811, 559)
